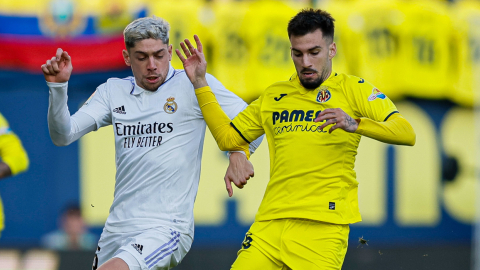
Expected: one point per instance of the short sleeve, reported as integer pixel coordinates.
(4, 127)
(249, 122)
(367, 100)
(97, 106)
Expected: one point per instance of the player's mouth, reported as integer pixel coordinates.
(308, 73)
(153, 79)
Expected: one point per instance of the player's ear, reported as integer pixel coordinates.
(170, 48)
(126, 57)
(332, 50)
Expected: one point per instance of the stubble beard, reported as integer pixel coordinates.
(312, 85)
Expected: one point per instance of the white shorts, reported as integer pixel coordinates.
(157, 248)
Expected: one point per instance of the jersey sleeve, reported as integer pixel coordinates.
(4, 127)
(367, 100)
(249, 123)
(12, 152)
(97, 106)
(231, 104)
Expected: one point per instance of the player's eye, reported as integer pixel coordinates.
(315, 52)
(141, 58)
(297, 54)
(159, 56)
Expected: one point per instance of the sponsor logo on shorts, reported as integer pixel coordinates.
(138, 248)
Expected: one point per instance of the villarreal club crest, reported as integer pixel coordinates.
(323, 95)
(170, 106)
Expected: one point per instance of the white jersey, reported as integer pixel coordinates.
(158, 143)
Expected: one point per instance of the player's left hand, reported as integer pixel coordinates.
(338, 118)
(239, 171)
(195, 64)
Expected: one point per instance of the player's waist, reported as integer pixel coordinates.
(324, 215)
(138, 224)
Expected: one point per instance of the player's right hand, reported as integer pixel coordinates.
(59, 68)
(239, 171)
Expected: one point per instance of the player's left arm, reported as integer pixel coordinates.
(14, 158)
(379, 118)
(395, 130)
(217, 120)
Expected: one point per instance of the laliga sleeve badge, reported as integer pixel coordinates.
(376, 94)
(323, 95)
(170, 106)
(90, 98)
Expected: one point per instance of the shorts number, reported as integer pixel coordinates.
(247, 241)
(95, 260)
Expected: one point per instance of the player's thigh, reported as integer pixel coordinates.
(254, 259)
(314, 245)
(108, 244)
(157, 248)
(261, 247)
(116, 264)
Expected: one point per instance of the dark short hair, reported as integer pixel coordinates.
(308, 20)
(71, 209)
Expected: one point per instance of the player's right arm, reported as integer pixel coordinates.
(64, 129)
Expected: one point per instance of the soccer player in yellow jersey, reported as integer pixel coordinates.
(313, 123)
(13, 158)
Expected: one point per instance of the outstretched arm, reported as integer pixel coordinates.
(395, 130)
(240, 169)
(218, 122)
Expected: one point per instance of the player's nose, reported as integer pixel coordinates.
(151, 65)
(306, 61)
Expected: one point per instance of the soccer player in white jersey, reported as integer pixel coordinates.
(159, 132)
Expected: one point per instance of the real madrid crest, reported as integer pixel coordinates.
(323, 95)
(170, 106)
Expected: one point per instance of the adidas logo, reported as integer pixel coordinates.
(120, 110)
(138, 247)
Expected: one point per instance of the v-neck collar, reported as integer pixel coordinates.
(296, 81)
(137, 90)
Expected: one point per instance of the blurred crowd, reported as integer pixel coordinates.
(423, 49)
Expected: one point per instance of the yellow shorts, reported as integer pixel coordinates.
(296, 244)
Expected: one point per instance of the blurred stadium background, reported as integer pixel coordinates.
(418, 203)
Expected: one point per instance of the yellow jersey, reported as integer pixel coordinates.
(12, 153)
(340, 10)
(182, 26)
(372, 34)
(269, 45)
(425, 40)
(312, 172)
(230, 49)
(467, 53)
